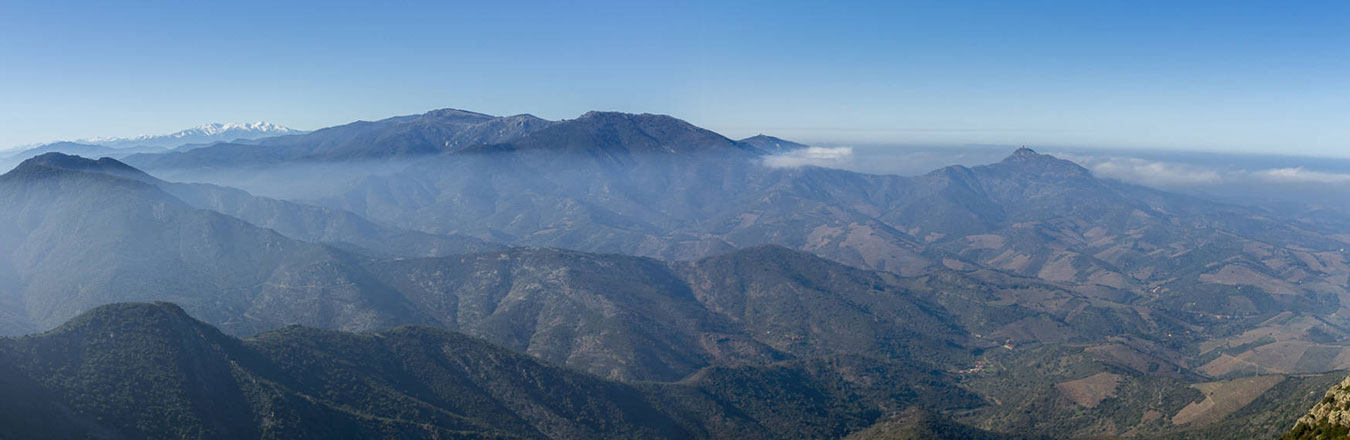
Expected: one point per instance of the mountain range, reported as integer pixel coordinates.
(79, 233)
(203, 134)
(119, 147)
(150, 370)
(1025, 296)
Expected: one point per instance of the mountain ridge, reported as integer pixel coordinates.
(300, 221)
(449, 130)
(58, 162)
(97, 238)
(199, 134)
(150, 370)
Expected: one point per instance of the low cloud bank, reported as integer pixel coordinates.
(1169, 174)
(1232, 178)
(1179, 171)
(1135, 170)
(1300, 175)
(833, 157)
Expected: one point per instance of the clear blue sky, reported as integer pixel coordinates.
(1228, 76)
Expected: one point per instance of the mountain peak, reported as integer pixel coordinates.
(64, 162)
(656, 125)
(617, 134)
(596, 115)
(100, 320)
(1027, 160)
(1025, 154)
(771, 145)
(217, 128)
(454, 113)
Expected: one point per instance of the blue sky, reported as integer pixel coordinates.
(1270, 77)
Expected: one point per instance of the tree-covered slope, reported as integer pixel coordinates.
(151, 371)
(633, 318)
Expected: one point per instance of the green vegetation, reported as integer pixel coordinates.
(1028, 400)
(151, 371)
(1323, 430)
(918, 424)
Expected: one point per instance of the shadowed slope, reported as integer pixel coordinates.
(149, 370)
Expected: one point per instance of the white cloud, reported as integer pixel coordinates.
(1149, 172)
(814, 156)
(1300, 175)
(1173, 174)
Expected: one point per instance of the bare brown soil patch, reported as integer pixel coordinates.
(1236, 275)
(1223, 398)
(1090, 391)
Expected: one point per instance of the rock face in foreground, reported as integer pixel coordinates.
(1328, 419)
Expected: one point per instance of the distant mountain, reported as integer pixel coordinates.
(151, 144)
(386, 146)
(399, 137)
(55, 163)
(341, 229)
(9, 160)
(150, 370)
(79, 233)
(449, 130)
(294, 220)
(208, 133)
(770, 144)
(613, 137)
(72, 148)
(431, 132)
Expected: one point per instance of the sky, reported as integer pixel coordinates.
(1244, 77)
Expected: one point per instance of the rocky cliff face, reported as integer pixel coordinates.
(1328, 419)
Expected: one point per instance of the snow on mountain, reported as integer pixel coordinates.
(215, 132)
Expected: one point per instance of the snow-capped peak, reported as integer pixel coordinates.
(218, 128)
(213, 132)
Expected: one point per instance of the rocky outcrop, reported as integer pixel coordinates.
(1328, 419)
